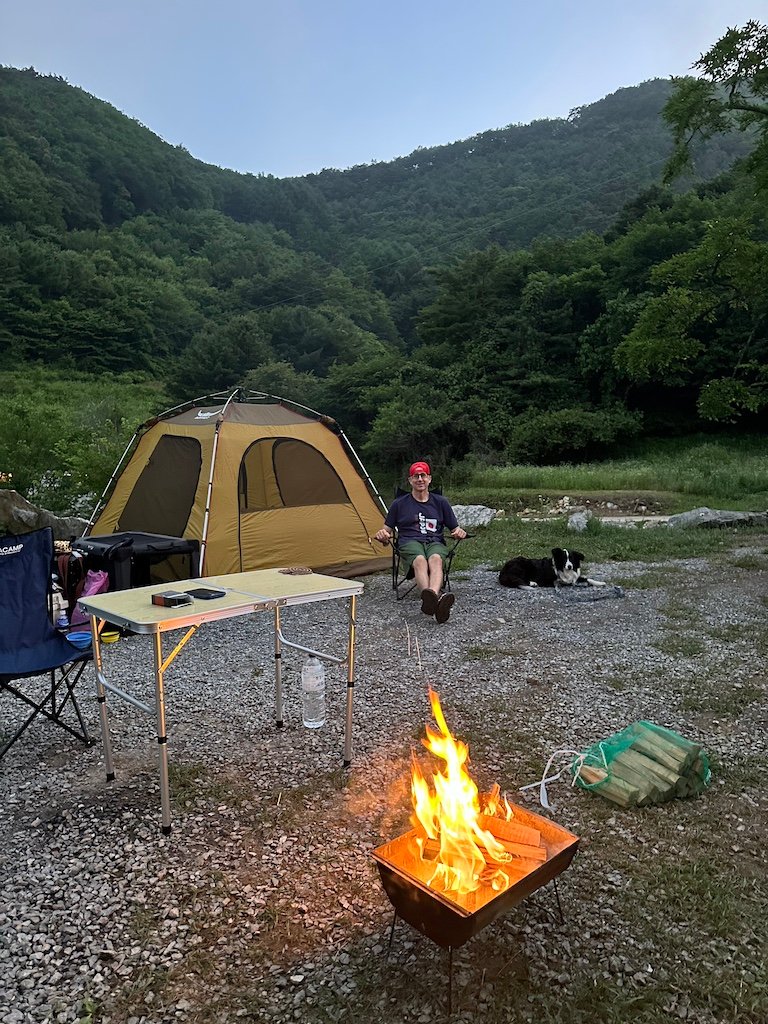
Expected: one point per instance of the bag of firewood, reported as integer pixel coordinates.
(641, 765)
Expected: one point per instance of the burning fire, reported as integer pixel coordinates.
(452, 820)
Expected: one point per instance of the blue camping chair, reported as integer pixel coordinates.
(29, 644)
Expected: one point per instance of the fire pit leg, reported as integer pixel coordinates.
(392, 933)
(559, 906)
(450, 981)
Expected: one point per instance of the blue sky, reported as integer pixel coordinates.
(292, 86)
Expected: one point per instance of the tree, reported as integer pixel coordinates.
(711, 315)
(732, 93)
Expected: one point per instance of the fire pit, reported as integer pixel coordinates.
(470, 857)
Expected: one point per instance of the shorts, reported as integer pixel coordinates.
(411, 549)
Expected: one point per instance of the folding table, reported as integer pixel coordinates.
(244, 593)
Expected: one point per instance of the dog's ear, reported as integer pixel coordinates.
(557, 552)
(577, 556)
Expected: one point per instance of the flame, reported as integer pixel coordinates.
(448, 813)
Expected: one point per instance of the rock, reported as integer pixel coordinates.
(579, 520)
(17, 515)
(712, 517)
(476, 515)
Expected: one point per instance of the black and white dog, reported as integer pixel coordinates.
(562, 569)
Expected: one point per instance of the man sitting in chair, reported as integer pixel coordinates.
(420, 518)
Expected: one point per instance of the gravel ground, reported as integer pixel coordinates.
(264, 904)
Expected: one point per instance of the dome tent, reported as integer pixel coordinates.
(260, 481)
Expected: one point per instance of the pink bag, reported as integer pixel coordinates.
(96, 582)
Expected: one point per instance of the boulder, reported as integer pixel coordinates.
(476, 515)
(713, 517)
(579, 520)
(17, 515)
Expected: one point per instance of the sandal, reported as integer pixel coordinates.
(444, 606)
(429, 602)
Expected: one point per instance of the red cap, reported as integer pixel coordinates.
(419, 467)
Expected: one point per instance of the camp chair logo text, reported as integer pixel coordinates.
(12, 549)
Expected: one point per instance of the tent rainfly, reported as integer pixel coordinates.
(261, 482)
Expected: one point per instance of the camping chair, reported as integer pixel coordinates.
(29, 644)
(400, 577)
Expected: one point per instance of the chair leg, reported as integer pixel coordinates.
(66, 680)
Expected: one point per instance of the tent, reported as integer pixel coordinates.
(261, 482)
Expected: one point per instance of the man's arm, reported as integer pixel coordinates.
(386, 533)
(449, 517)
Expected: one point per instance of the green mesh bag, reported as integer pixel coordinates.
(641, 765)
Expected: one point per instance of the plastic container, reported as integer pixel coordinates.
(81, 640)
(313, 693)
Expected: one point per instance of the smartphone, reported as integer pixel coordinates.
(206, 593)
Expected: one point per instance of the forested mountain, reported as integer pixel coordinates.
(492, 298)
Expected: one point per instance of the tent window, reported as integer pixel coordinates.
(282, 472)
(153, 506)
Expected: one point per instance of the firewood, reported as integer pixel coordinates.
(647, 791)
(509, 830)
(641, 763)
(612, 788)
(430, 848)
(537, 853)
(661, 754)
(681, 754)
(674, 738)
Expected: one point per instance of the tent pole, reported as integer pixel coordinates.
(209, 492)
(363, 470)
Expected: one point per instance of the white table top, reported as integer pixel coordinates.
(246, 592)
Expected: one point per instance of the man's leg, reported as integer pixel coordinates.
(421, 572)
(435, 573)
(430, 594)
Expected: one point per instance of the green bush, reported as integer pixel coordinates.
(561, 435)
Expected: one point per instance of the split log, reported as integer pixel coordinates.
(647, 788)
(641, 763)
(673, 758)
(510, 830)
(611, 787)
(537, 853)
(674, 738)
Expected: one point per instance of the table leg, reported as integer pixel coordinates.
(101, 697)
(278, 673)
(350, 681)
(162, 739)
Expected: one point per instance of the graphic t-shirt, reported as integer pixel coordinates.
(421, 520)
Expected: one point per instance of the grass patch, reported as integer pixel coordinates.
(680, 614)
(505, 538)
(726, 701)
(749, 562)
(485, 653)
(747, 774)
(651, 579)
(731, 632)
(681, 473)
(194, 782)
(680, 645)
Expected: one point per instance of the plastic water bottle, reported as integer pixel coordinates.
(313, 693)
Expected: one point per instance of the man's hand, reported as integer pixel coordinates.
(458, 533)
(384, 535)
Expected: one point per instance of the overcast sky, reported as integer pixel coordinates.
(291, 86)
